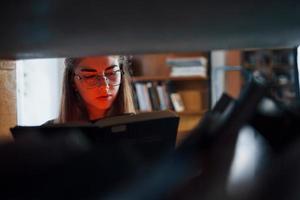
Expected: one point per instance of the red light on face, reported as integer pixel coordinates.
(98, 95)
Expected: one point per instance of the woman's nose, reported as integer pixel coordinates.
(103, 91)
(102, 81)
(104, 87)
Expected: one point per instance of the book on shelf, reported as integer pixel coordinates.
(135, 98)
(177, 102)
(196, 66)
(163, 97)
(191, 61)
(188, 71)
(144, 102)
(152, 96)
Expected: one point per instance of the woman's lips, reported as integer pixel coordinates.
(104, 97)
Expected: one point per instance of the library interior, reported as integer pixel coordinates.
(207, 102)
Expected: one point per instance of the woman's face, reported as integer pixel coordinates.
(98, 79)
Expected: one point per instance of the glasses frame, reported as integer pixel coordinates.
(98, 79)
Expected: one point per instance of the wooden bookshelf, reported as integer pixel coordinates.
(194, 90)
(187, 112)
(168, 78)
(192, 112)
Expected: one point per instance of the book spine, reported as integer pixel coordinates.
(189, 71)
(140, 97)
(143, 97)
(154, 96)
(147, 97)
(177, 102)
(161, 96)
(169, 89)
(167, 96)
(187, 61)
(135, 97)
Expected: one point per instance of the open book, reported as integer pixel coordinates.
(149, 133)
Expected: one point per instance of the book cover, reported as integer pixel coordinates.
(189, 71)
(135, 97)
(154, 96)
(162, 97)
(191, 61)
(142, 96)
(177, 102)
(147, 97)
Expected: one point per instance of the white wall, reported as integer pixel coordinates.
(298, 66)
(38, 90)
(218, 77)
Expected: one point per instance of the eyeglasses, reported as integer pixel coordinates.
(110, 78)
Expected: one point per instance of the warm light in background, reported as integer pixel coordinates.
(38, 90)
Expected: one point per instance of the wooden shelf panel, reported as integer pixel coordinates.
(184, 112)
(168, 78)
(191, 112)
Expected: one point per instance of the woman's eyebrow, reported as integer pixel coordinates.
(87, 70)
(111, 67)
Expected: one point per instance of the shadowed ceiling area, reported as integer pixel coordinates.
(35, 29)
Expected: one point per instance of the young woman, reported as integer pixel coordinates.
(94, 88)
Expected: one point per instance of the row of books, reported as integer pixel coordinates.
(194, 66)
(151, 96)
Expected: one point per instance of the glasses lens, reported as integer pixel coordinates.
(114, 78)
(110, 78)
(91, 81)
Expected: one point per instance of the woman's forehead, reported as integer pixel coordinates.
(98, 63)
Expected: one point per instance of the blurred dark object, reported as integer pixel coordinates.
(223, 104)
(278, 123)
(63, 168)
(212, 144)
(149, 134)
(67, 168)
(35, 29)
(281, 68)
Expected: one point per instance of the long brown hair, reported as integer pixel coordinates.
(72, 107)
